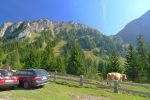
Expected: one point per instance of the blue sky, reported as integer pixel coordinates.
(108, 16)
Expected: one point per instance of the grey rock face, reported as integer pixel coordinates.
(4, 28)
(21, 30)
(40, 25)
(24, 29)
(11, 28)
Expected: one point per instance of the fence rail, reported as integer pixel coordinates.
(99, 83)
(67, 79)
(135, 84)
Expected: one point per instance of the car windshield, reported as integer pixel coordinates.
(24, 73)
(6, 73)
(41, 72)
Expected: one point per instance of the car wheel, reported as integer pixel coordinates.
(26, 85)
(41, 86)
(20, 84)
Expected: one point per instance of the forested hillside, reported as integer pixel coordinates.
(73, 48)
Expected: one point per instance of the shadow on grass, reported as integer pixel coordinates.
(19, 88)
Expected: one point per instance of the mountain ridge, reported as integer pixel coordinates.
(139, 26)
(23, 29)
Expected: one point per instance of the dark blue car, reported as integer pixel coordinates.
(32, 77)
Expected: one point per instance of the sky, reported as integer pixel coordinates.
(108, 16)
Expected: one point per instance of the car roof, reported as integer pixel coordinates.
(29, 69)
(5, 70)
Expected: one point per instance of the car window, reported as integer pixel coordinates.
(25, 73)
(29, 73)
(41, 72)
(2, 73)
(6, 73)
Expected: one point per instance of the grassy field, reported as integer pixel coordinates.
(55, 91)
(137, 88)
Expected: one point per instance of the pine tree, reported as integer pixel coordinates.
(115, 63)
(1, 56)
(91, 69)
(13, 60)
(142, 49)
(60, 64)
(48, 60)
(132, 64)
(76, 62)
(148, 68)
(143, 58)
(32, 59)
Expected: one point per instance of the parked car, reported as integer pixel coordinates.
(8, 79)
(32, 77)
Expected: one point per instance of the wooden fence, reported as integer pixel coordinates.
(80, 80)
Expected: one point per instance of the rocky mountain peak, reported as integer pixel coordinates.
(4, 27)
(24, 29)
(6, 24)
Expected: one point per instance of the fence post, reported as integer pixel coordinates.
(55, 76)
(116, 86)
(81, 80)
